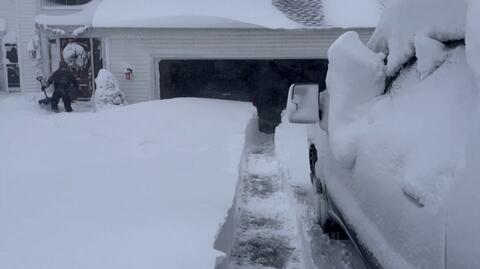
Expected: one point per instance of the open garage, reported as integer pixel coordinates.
(239, 80)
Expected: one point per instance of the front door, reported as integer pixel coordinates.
(87, 57)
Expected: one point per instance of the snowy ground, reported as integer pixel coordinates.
(142, 186)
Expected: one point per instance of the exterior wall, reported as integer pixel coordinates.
(20, 15)
(141, 49)
(26, 12)
(7, 12)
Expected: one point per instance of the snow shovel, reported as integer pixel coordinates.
(47, 100)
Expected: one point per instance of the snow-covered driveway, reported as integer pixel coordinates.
(143, 186)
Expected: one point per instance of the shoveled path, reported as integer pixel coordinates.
(265, 227)
(272, 222)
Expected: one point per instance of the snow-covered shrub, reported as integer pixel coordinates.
(108, 90)
(75, 56)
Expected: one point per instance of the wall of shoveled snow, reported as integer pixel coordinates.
(139, 186)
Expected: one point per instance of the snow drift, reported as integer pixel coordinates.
(141, 186)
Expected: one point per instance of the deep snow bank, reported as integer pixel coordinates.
(140, 186)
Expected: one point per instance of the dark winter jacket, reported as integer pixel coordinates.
(62, 80)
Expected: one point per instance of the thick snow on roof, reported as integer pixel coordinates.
(352, 13)
(191, 14)
(273, 14)
(83, 17)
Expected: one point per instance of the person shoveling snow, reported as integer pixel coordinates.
(63, 81)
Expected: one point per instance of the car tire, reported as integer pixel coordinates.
(320, 208)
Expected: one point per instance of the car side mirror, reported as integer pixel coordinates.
(303, 103)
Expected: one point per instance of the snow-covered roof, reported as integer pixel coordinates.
(306, 12)
(352, 13)
(191, 14)
(272, 14)
(83, 17)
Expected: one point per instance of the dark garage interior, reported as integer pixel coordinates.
(239, 80)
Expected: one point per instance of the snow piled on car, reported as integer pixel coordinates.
(139, 186)
(409, 120)
(402, 20)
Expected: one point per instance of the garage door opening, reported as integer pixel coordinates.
(239, 80)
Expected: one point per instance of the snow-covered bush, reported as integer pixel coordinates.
(75, 56)
(108, 91)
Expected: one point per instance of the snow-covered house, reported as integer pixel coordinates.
(154, 46)
(20, 55)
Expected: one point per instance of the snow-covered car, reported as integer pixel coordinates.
(394, 149)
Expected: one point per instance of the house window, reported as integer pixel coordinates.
(63, 3)
(13, 68)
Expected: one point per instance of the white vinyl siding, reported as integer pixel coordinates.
(26, 12)
(7, 12)
(140, 49)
